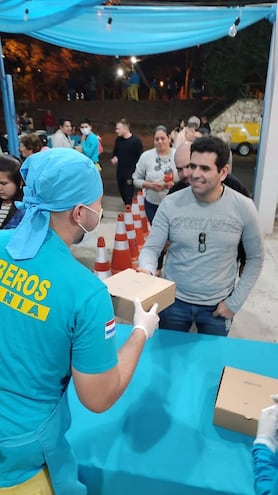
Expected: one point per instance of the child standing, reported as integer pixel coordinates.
(10, 191)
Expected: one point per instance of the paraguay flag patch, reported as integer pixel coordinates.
(110, 328)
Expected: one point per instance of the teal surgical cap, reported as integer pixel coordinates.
(56, 180)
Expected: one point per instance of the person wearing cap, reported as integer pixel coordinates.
(264, 452)
(57, 322)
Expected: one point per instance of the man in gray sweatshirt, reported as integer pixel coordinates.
(204, 224)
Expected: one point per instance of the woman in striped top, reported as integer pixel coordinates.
(10, 191)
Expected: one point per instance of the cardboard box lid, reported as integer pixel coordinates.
(241, 397)
(128, 284)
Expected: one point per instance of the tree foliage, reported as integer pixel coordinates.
(232, 66)
(39, 70)
(227, 66)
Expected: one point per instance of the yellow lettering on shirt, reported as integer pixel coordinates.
(24, 305)
(9, 274)
(30, 285)
(42, 291)
(3, 266)
(18, 280)
(16, 285)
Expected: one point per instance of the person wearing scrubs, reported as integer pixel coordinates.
(265, 455)
(57, 322)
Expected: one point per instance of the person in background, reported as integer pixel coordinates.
(156, 173)
(25, 123)
(205, 123)
(89, 144)
(174, 133)
(63, 326)
(204, 224)
(10, 191)
(75, 135)
(226, 138)
(186, 135)
(61, 138)
(153, 89)
(44, 142)
(265, 456)
(202, 132)
(134, 85)
(4, 144)
(29, 144)
(194, 120)
(126, 152)
(49, 122)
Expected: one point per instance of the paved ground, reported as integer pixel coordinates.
(257, 319)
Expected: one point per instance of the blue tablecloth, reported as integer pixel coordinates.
(159, 438)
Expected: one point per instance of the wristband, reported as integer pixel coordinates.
(140, 327)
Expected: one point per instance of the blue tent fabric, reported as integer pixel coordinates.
(82, 25)
(41, 13)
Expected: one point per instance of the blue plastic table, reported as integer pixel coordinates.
(159, 438)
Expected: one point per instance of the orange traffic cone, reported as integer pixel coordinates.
(144, 220)
(131, 235)
(137, 223)
(102, 268)
(121, 258)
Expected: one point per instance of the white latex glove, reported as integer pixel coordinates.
(268, 425)
(146, 321)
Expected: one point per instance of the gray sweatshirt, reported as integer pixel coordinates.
(206, 277)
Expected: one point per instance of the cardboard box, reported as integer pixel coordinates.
(241, 396)
(128, 284)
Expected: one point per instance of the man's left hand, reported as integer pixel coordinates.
(223, 311)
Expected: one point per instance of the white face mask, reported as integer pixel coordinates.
(86, 235)
(99, 214)
(85, 130)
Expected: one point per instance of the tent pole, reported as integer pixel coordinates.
(266, 181)
(8, 106)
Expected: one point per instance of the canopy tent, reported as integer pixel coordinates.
(132, 30)
(88, 26)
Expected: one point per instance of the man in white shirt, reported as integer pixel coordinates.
(61, 138)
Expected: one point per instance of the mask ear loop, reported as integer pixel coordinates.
(83, 228)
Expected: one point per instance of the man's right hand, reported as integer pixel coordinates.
(114, 160)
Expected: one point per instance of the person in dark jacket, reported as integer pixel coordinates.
(126, 153)
(10, 191)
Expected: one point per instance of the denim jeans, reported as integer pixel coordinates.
(180, 316)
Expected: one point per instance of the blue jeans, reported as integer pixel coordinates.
(180, 316)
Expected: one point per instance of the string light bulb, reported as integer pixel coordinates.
(109, 24)
(26, 15)
(233, 29)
